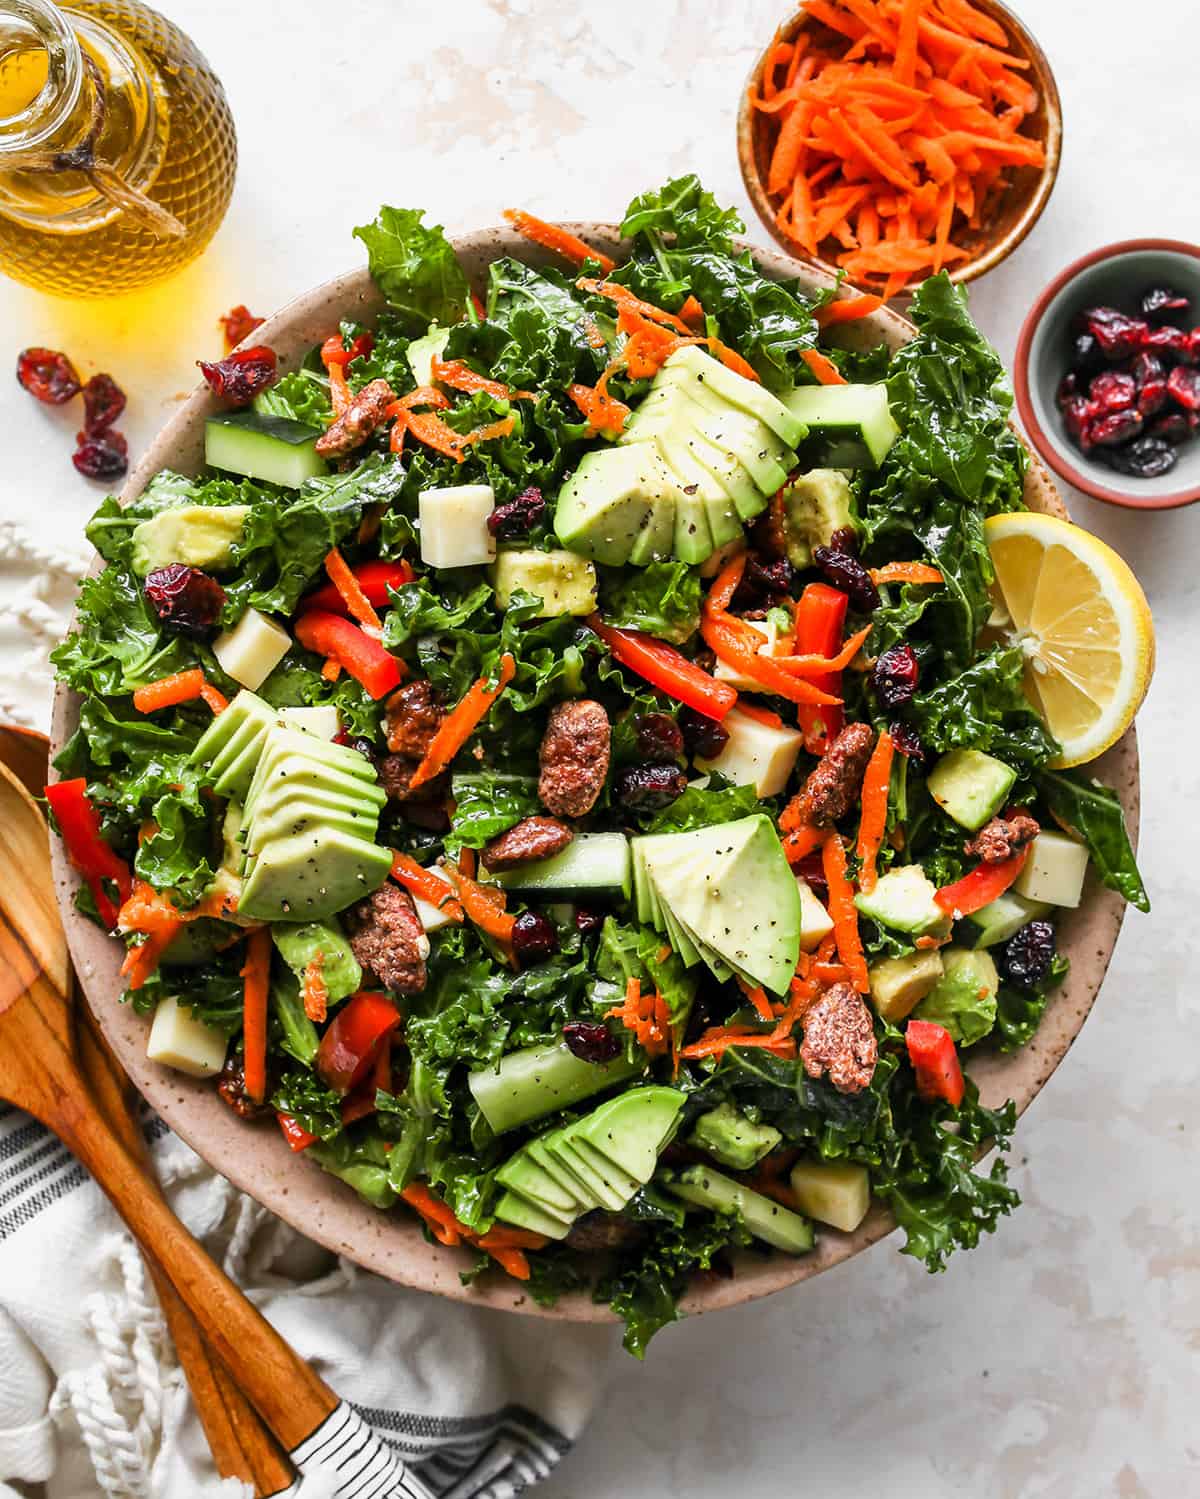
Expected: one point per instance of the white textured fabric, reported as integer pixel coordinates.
(92, 1402)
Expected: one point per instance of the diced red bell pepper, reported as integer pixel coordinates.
(820, 618)
(665, 668)
(374, 578)
(295, 1134)
(79, 824)
(348, 1047)
(981, 887)
(335, 638)
(935, 1061)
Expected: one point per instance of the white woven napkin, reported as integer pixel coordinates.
(92, 1402)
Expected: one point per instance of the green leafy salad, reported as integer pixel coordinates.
(558, 761)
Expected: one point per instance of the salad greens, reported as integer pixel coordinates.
(639, 969)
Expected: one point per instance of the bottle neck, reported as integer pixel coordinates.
(44, 85)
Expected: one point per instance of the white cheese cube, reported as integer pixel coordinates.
(321, 721)
(757, 754)
(1054, 870)
(430, 917)
(179, 1040)
(454, 530)
(252, 650)
(815, 921)
(723, 672)
(832, 1193)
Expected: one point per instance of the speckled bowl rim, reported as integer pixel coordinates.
(258, 1161)
(997, 250)
(1049, 446)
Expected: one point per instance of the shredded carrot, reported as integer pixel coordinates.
(435, 433)
(604, 413)
(662, 954)
(802, 841)
(873, 821)
(719, 1038)
(182, 687)
(444, 1226)
(339, 390)
(313, 990)
(460, 376)
(356, 601)
(843, 911)
(803, 666)
(461, 722)
(906, 572)
(645, 1013)
(766, 716)
(485, 905)
(823, 368)
(332, 669)
(692, 313)
(732, 360)
(737, 643)
(424, 395)
(554, 237)
(847, 310)
(148, 911)
(257, 974)
(630, 302)
(425, 885)
(757, 996)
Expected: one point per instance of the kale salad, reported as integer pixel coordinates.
(559, 760)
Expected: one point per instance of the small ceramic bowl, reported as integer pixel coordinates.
(1115, 276)
(1010, 215)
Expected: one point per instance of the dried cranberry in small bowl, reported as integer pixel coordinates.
(702, 735)
(1086, 356)
(48, 376)
(184, 598)
(591, 1041)
(1183, 386)
(1117, 427)
(1112, 391)
(239, 377)
(894, 676)
(104, 456)
(659, 738)
(1147, 458)
(103, 403)
(1077, 412)
(1116, 334)
(1173, 427)
(1068, 389)
(1162, 304)
(533, 937)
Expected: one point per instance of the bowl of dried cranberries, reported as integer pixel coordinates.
(1107, 374)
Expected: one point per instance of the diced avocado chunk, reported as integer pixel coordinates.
(1001, 918)
(765, 1218)
(196, 535)
(849, 426)
(275, 449)
(608, 502)
(539, 1080)
(964, 999)
(815, 505)
(832, 1192)
(903, 900)
(565, 582)
(300, 942)
(746, 395)
(898, 984)
(970, 786)
(732, 1138)
(423, 351)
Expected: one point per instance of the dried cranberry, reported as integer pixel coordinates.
(1152, 397)
(659, 738)
(1116, 427)
(1147, 458)
(239, 322)
(1162, 304)
(587, 921)
(1112, 391)
(185, 599)
(590, 1041)
(894, 676)
(47, 375)
(1077, 412)
(649, 787)
(1086, 357)
(518, 517)
(533, 937)
(1172, 341)
(811, 870)
(1026, 957)
(104, 456)
(1068, 389)
(103, 403)
(908, 742)
(771, 578)
(1117, 335)
(1150, 376)
(239, 377)
(845, 539)
(1183, 386)
(848, 574)
(1174, 427)
(366, 749)
(703, 736)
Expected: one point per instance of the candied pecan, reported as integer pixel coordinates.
(532, 838)
(365, 412)
(388, 939)
(231, 1085)
(395, 776)
(574, 757)
(1002, 837)
(839, 1040)
(833, 786)
(413, 718)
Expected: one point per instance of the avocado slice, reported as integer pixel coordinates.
(280, 766)
(606, 503)
(299, 942)
(765, 457)
(733, 1139)
(655, 539)
(692, 476)
(766, 1219)
(629, 1131)
(903, 900)
(522, 1211)
(312, 876)
(296, 816)
(532, 1174)
(693, 536)
(964, 999)
(1004, 916)
(737, 391)
(247, 710)
(196, 535)
(747, 499)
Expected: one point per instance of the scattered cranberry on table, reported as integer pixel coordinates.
(1132, 394)
(101, 452)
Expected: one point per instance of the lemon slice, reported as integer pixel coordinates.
(1081, 618)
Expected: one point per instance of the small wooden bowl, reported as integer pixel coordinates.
(1009, 215)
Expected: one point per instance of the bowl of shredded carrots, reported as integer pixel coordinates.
(891, 139)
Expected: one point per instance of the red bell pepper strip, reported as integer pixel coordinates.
(348, 1047)
(334, 351)
(361, 1102)
(79, 825)
(819, 618)
(373, 578)
(663, 667)
(935, 1061)
(295, 1134)
(981, 887)
(331, 636)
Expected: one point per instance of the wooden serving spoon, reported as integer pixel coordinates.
(40, 1073)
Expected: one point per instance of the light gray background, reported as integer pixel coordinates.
(1059, 1359)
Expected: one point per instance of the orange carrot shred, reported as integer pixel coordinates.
(181, 687)
(873, 821)
(824, 369)
(906, 572)
(460, 723)
(425, 885)
(757, 996)
(313, 990)
(356, 601)
(554, 237)
(847, 310)
(844, 912)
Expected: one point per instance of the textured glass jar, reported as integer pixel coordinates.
(104, 104)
